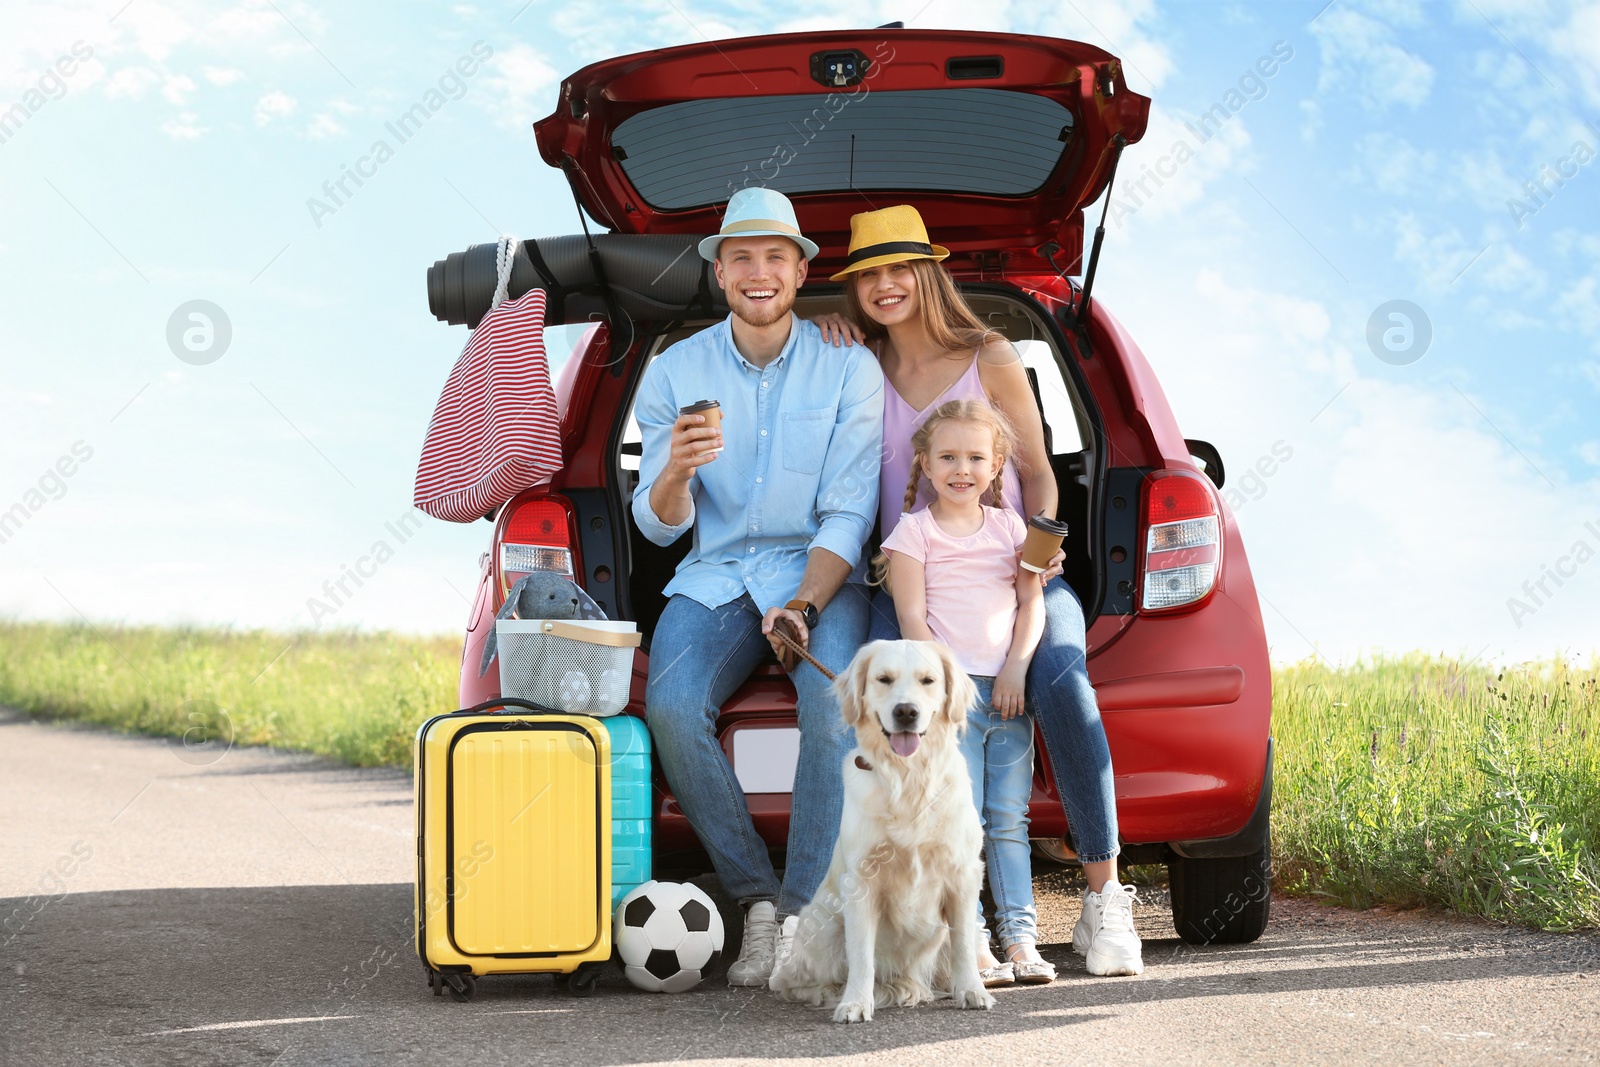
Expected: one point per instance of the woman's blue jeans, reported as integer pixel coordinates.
(999, 756)
(1062, 700)
(698, 657)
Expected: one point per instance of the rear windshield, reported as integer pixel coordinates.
(989, 141)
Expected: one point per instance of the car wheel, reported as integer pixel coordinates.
(1054, 850)
(1221, 901)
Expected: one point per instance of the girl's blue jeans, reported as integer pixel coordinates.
(999, 756)
(1060, 697)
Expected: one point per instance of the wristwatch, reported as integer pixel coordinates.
(807, 610)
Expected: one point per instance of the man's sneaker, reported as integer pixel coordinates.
(786, 933)
(1105, 934)
(754, 965)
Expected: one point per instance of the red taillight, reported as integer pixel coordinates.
(1180, 551)
(536, 534)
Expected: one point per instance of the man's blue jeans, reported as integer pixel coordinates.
(1062, 700)
(698, 657)
(999, 756)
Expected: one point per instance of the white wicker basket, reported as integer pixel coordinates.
(576, 666)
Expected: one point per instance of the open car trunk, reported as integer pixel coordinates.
(999, 140)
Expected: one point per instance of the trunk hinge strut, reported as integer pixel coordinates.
(1080, 315)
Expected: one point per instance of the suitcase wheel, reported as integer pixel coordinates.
(580, 983)
(462, 986)
(436, 982)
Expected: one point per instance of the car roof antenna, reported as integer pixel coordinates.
(1080, 318)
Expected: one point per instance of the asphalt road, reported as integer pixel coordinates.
(164, 905)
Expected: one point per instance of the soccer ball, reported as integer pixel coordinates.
(668, 935)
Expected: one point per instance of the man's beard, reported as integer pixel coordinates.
(762, 314)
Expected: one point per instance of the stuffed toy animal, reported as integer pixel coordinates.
(541, 595)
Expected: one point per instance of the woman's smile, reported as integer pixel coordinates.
(886, 292)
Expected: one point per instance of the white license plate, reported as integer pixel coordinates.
(764, 759)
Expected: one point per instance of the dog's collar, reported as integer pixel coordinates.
(863, 764)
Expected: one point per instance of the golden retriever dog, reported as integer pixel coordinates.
(895, 920)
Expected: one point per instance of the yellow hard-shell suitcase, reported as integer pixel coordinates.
(513, 846)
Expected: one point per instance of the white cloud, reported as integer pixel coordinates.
(185, 127)
(1360, 58)
(1396, 166)
(1402, 520)
(222, 76)
(1579, 307)
(1439, 259)
(177, 88)
(1505, 270)
(518, 83)
(275, 104)
(1589, 452)
(323, 126)
(1176, 163)
(131, 82)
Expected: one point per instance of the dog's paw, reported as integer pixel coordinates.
(973, 998)
(853, 1011)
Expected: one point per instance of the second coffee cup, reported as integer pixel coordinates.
(1044, 537)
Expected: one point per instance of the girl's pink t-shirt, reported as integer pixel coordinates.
(971, 583)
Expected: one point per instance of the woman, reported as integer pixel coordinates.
(933, 348)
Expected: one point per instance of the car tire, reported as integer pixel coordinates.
(1054, 851)
(1221, 901)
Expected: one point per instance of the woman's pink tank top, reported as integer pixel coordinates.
(900, 421)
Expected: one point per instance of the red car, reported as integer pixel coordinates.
(1000, 141)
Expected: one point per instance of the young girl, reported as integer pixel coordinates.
(953, 570)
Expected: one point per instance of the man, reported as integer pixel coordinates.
(780, 499)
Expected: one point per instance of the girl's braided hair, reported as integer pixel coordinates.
(1005, 448)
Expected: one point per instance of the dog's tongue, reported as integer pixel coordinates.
(904, 743)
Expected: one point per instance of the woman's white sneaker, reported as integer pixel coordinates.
(1105, 935)
(756, 951)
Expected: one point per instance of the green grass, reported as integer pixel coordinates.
(1406, 781)
(1420, 781)
(358, 697)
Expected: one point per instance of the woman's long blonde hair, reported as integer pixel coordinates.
(979, 412)
(944, 312)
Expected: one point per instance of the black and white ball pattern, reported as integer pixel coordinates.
(668, 935)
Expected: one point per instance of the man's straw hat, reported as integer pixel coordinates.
(757, 212)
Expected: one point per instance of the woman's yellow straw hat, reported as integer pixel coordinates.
(888, 235)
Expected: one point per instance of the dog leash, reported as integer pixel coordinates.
(781, 628)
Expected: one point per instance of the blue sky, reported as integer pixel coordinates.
(1384, 159)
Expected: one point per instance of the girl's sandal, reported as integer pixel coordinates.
(1042, 972)
(1001, 974)
(1031, 972)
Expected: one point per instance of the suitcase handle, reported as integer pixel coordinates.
(504, 702)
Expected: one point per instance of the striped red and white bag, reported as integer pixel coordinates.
(495, 430)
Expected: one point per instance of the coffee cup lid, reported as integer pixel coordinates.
(698, 406)
(1050, 526)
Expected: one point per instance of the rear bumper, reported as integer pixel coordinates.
(1254, 837)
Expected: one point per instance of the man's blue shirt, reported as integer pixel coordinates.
(799, 468)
